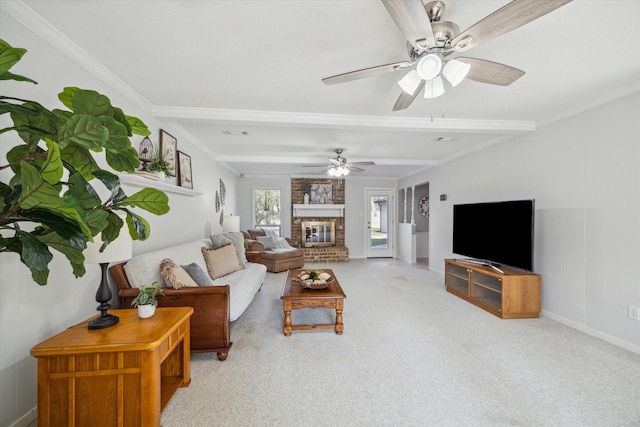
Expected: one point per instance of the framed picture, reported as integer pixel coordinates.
(169, 150)
(185, 177)
(321, 194)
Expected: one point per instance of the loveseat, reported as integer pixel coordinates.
(216, 302)
(277, 254)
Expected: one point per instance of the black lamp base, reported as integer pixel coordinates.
(103, 296)
(104, 321)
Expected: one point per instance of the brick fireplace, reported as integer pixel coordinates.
(322, 237)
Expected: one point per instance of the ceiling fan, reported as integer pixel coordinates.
(430, 42)
(338, 166)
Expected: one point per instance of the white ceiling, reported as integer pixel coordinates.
(256, 67)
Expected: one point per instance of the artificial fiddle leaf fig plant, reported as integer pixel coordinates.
(47, 199)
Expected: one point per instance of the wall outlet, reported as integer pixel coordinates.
(634, 312)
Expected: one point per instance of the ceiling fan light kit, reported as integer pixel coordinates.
(434, 88)
(430, 42)
(455, 71)
(410, 82)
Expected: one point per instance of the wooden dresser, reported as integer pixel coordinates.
(123, 375)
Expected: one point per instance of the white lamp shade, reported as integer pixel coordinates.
(119, 250)
(455, 71)
(429, 66)
(434, 88)
(410, 82)
(231, 223)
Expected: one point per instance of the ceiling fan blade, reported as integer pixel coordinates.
(362, 163)
(366, 72)
(412, 19)
(491, 72)
(355, 169)
(508, 18)
(404, 100)
(319, 165)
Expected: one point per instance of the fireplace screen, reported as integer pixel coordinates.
(318, 233)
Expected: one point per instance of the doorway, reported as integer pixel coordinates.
(380, 222)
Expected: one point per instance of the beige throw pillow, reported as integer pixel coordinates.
(222, 260)
(175, 276)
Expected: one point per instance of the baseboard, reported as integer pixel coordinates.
(27, 419)
(593, 332)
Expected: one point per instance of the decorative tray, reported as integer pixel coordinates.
(313, 279)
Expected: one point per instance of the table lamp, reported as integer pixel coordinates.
(118, 250)
(231, 223)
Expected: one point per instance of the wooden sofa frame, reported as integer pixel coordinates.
(210, 319)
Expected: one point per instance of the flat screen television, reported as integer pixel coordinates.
(495, 233)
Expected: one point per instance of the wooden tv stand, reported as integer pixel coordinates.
(512, 295)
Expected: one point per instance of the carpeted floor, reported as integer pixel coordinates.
(411, 354)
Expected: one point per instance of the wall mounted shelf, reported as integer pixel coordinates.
(327, 210)
(137, 181)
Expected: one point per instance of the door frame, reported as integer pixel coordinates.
(390, 251)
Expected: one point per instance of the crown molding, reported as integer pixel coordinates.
(339, 120)
(41, 27)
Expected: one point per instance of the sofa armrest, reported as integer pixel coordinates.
(254, 245)
(291, 242)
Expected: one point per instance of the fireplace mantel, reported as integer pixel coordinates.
(317, 210)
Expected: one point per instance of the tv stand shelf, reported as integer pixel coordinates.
(512, 295)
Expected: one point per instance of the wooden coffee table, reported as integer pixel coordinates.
(295, 296)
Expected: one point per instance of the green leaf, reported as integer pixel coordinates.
(84, 130)
(35, 192)
(35, 254)
(10, 76)
(112, 230)
(40, 123)
(149, 199)
(81, 160)
(139, 228)
(64, 225)
(78, 269)
(66, 96)
(60, 244)
(9, 56)
(98, 220)
(125, 160)
(52, 169)
(119, 115)
(91, 102)
(83, 191)
(138, 127)
(118, 138)
(40, 277)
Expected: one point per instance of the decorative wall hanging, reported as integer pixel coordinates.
(321, 194)
(223, 193)
(423, 206)
(221, 217)
(217, 201)
(169, 149)
(185, 177)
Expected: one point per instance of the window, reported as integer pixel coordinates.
(266, 208)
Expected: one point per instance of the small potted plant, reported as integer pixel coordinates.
(160, 166)
(305, 186)
(146, 300)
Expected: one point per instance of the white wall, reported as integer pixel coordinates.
(30, 313)
(583, 173)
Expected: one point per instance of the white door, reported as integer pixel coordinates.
(380, 222)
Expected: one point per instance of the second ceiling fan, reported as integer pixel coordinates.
(338, 166)
(430, 42)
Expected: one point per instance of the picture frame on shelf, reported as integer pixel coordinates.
(169, 150)
(185, 175)
(321, 194)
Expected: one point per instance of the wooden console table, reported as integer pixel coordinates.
(123, 375)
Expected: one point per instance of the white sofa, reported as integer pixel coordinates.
(214, 306)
